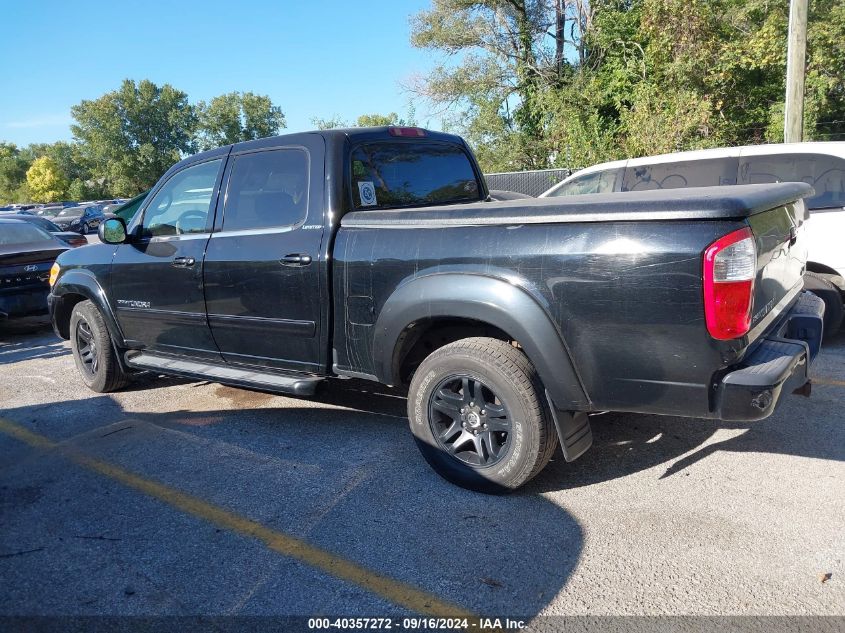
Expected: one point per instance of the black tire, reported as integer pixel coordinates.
(822, 286)
(97, 365)
(83, 229)
(499, 461)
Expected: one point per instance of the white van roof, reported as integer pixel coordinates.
(832, 148)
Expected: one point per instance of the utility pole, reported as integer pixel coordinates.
(796, 55)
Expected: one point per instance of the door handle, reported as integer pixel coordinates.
(183, 262)
(295, 260)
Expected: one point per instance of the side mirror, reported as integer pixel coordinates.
(112, 231)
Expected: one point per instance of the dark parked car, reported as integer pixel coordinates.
(125, 210)
(377, 254)
(68, 237)
(79, 219)
(26, 254)
(49, 211)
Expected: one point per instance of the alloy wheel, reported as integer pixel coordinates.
(86, 347)
(469, 421)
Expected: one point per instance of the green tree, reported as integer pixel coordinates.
(45, 180)
(365, 120)
(378, 120)
(131, 136)
(535, 83)
(13, 166)
(71, 161)
(238, 116)
(331, 123)
(498, 58)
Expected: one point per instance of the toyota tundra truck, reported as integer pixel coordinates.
(378, 254)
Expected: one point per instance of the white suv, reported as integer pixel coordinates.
(820, 164)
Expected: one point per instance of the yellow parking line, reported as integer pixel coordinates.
(828, 381)
(394, 591)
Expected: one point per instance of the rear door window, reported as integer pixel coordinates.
(391, 174)
(267, 189)
(825, 173)
(708, 172)
(597, 182)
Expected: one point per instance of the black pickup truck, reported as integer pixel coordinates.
(378, 254)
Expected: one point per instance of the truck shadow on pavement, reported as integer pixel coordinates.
(346, 478)
(346, 481)
(28, 340)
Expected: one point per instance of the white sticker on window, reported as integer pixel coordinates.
(368, 194)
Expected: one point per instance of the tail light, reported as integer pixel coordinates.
(730, 266)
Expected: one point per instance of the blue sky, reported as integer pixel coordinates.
(320, 58)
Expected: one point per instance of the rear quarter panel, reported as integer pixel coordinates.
(625, 296)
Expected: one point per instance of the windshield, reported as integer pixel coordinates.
(22, 233)
(71, 212)
(389, 174)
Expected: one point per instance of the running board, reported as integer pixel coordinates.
(296, 385)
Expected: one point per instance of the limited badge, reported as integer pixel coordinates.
(367, 193)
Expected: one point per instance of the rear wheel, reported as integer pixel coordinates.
(822, 286)
(93, 353)
(478, 415)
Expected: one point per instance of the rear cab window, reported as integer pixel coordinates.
(396, 174)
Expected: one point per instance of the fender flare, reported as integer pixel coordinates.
(823, 269)
(79, 281)
(489, 300)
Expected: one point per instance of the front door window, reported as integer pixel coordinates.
(183, 203)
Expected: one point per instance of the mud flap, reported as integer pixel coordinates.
(573, 430)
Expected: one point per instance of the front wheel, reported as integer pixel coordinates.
(479, 417)
(93, 353)
(84, 230)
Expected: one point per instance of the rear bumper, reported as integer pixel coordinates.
(781, 362)
(24, 302)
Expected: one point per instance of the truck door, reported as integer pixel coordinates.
(262, 270)
(157, 277)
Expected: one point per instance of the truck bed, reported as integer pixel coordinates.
(619, 276)
(702, 203)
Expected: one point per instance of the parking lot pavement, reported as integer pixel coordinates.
(184, 497)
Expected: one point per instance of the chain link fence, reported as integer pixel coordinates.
(532, 183)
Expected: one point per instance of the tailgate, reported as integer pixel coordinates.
(780, 236)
